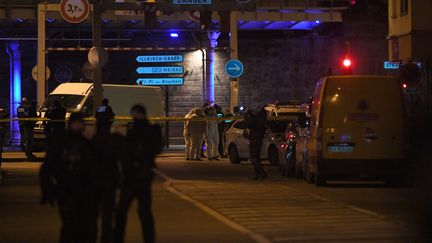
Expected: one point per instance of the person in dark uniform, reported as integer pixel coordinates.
(143, 143)
(56, 128)
(256, 123)
(221, 129)
(104, 116)
(27, 110)
(3, 115)
(108, 147)
(66, 177)
(20, 112)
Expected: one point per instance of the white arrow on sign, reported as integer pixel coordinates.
(235, 68)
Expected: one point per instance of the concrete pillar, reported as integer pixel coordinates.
(14, 50)
(234, 86)
(210, 63)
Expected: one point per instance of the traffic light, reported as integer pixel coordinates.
(346, 62)
(404, 85)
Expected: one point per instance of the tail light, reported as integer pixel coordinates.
(290, 136)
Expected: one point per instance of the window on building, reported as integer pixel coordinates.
(403, 7)
(394, 8)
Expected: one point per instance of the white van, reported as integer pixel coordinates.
(78, 97)
(357, 129)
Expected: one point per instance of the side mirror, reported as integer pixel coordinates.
(302, 122)
(246, 133)
(307, 122)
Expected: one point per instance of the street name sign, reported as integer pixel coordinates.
(234, 68)
(397, 65)
(160, 58)
(160, 70)
(160, 81)
(74, 11)
(192, 2)
(391, 65)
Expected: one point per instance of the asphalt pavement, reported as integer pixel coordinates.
(215, 201)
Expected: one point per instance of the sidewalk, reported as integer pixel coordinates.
(17, 156)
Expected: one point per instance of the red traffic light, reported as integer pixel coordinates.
(404, 85)
(346, 62)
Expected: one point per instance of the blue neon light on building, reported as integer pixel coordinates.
(210, 94)
(15, 86)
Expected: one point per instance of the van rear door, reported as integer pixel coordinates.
(363, 118)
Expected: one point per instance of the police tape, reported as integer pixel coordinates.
(154, 119)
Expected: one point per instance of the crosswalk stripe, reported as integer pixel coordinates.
(303, 217)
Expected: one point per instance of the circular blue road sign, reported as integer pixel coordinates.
(234, 68)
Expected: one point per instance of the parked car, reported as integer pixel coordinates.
(237, 143)
(282, 109)
(357, 130)
(292, 150)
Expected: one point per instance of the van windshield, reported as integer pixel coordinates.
(69, 102)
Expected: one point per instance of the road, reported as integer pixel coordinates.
(218, 202)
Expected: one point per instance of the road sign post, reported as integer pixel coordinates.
(74, 11)
(97, 43)
(160, 58)
(35, 71)
(160, 81)
(160, 70)
(234, 68)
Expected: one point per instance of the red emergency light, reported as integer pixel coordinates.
(346, 62)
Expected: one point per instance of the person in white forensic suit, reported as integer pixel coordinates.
(187, 135)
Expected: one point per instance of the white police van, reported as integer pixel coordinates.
(78, 97)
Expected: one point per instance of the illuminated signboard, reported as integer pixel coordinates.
(397, 65)
(160, 70)
(159, 58)
(160, 81)
(191, 2)
(391, 65)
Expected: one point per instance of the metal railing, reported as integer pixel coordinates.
(326, 5)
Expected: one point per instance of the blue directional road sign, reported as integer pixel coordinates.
(191, 2)
(160, 58)
(160, 70)
(160, 81)
(234, 68)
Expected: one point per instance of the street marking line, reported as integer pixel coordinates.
(168, 184)
(355, 208)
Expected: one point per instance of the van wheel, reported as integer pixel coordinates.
(395, 181)
(273, 155)
(310, 177)
(233, 154)
(298, 172)
(282, 169)
(319, 180)
(305, 167)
